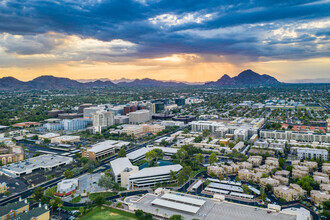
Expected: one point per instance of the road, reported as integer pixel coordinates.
(104, 163)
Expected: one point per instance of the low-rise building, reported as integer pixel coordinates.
(320, 177)
(289, 193)
(325, 187)
(326, 168)
(99, 150)
(272, 161)
(65, 139)
(66, 187)
(14, 154)
(284, 173)
(255, 160)
(273, 182)
(217, 170)
(133, 130)
(296, 173)
(42, 162)
(121, 169)
(283, 180)
(318, 196)
(151, 176)
(244, 165)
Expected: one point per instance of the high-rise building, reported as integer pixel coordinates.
(102, 119)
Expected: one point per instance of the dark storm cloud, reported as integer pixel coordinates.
(188, 28)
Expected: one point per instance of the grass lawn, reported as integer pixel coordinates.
(76, 199)
(108, 213)
(104, 194)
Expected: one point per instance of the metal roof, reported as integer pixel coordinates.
(176, 206)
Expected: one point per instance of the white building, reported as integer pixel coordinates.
(310, 153)
(66, 186)
(151, 176)
(102, 119)
(88, 112)
(140, 116)
(172, 123)
(121, 169)
(42, 162)
(297, 136)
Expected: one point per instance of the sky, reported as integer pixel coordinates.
(184, 40)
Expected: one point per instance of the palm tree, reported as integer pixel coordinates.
(52, 202)
(60, 206)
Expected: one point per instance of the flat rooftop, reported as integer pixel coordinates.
(102, 146)
(42, 161)
(120, 164)
(211, 209)
(152, 171)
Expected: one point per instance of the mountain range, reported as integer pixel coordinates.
(245, 78)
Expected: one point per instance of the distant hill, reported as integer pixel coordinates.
(246, 78)
(48, 83)
(150, 83)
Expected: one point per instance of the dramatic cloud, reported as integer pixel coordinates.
(153, 32)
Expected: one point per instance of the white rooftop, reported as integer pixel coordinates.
(119, 164)
(138, 153)
(102, 146)
(153, 171)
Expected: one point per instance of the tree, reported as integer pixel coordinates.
(206, 133)
(68, 174)
(181, 155)
(281, 162)
(99, 200)
(38, 193)
(269, 187)
(46, 141)
(173, 175)
(198, 139)
(307, 183)
(231, 145)
(159, 154)
(264, 175)
(213, 158)
(122, 153)
(150, 156)
(237, 179)
(106, 182)
(176, 217)
(246, 188)
(263, 194)
(139, 214)
(199, 158)
(184, 174)
(289, 168)
(84, 160)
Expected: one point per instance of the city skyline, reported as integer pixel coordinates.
(196, 42)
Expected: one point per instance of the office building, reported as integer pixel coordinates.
(151, 176)
(121, 119)
(180, 101)
(90, 111)
(140, 116)
(102, 120)
(100, 150)
(121, 169)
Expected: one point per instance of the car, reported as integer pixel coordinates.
(269, 211)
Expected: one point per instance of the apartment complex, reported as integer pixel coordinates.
(295, 135)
